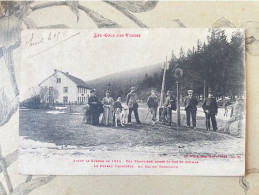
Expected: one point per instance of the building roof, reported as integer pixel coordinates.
(79, 82)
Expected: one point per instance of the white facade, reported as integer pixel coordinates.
(69, 91)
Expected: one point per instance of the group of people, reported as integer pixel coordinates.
(104, 112)
(190, 102)
(168, 106)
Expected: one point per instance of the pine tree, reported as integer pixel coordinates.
(199, 46)
(181, 54)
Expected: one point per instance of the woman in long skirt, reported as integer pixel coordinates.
(108, 109)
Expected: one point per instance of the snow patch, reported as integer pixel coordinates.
(60, 108)
(55, 112)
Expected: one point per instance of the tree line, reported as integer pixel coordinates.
(216, 65)
(40, 97)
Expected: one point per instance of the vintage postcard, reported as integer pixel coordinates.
(132, 102)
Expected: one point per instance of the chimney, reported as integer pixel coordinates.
(55, 70)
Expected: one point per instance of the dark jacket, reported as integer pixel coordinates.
(152, 101)
(170, 102)
(131, 100)
(95, 105)
(117, 104)
(190, 103)
(92, 101)
(210, 105)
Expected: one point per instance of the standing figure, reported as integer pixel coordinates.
(169, 105)
(225, 106)
(117, 103)
(117, 110)
(107, 108)
(94, 108)
(132, 104)
(238, 115)
(190, 104)
(210, 108)
(152, 103)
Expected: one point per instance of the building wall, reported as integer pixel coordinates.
(83, 95)
(65, 82)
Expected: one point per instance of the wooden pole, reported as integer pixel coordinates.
(178, 105)
(163, 84)
(159, 109)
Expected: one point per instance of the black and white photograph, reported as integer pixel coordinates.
(132, 102)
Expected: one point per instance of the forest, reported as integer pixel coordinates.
(216, 65)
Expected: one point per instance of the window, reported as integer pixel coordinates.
(65, 99)
(58, 80)
(65, 90)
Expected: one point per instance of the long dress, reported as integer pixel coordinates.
(107, 110)
(94, 111)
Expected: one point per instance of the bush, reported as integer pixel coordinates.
(32, 103)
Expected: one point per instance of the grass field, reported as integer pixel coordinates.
(65, 129)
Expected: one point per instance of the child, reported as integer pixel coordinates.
(117, 105)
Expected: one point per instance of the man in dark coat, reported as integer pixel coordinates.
(152, 103)
(169, 105)
(132, 104)
(94, 108)
(190, 104)
(210, 108)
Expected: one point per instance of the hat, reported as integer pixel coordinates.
(169, 92)
(132, 88)
(92, 91)
(190, 91)
(107, 91)
(154, 91)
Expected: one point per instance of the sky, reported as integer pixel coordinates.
(86, 57)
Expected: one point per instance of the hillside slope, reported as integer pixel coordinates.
(122, 81)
